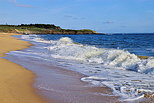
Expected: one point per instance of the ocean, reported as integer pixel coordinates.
(106, 60)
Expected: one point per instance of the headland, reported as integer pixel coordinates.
(42, 29)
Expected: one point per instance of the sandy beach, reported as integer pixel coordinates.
(15, 81)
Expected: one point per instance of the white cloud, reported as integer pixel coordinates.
(13, 1)
(19, 4)
(108, 22)
(74, 17)
(25, 6)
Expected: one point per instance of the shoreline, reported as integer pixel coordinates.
(15, 81)
(36, 94)
(81, 86)
(57, 82)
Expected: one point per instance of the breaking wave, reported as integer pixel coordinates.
(65, 48)
(114, 70)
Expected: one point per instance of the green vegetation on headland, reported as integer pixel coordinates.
(42, 29)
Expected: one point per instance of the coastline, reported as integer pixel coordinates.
(42, 29)
(15, 81)
(76, 89)
(11, 83)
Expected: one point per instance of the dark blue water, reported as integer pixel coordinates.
(139, 44)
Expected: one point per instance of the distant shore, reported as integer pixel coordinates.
(42, 29)
(15, 81)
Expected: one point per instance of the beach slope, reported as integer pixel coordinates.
(15, 81)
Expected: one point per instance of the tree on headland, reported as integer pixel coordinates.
(45, 26)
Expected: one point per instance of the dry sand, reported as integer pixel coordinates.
(15, 81)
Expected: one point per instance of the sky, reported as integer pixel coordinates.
(106, 16)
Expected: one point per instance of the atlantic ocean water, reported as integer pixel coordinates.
(137, 43)
(111, 60)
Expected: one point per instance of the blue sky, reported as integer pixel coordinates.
(110, 16)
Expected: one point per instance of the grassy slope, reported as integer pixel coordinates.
(42, 28)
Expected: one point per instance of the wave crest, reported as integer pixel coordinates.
(65, 48)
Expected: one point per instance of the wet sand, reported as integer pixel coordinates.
(15, 81)
(63, 86)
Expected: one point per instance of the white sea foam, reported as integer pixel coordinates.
(66, 49)
(150, 49)
(127, 75)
